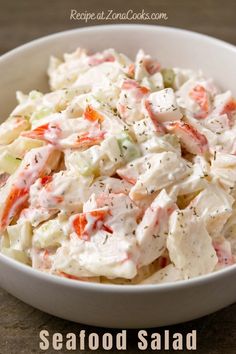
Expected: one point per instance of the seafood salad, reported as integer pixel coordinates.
(124, 173)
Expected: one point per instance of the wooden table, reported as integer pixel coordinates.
(21, 21)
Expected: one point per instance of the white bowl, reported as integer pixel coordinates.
(118, 306)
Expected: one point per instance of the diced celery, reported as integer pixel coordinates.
(128, 148)
(42, 113)
(85, 167)
(168, 77)
(172, 140)
(85, 163)
(34, 95)
(49, 234)
(8, 163)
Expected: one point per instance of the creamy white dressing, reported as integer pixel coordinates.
(125, 171)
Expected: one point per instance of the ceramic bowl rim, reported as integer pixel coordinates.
(139, 288)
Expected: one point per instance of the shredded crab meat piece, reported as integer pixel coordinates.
(15, 194)
(191, 139)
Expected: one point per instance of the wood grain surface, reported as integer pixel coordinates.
(24, 20)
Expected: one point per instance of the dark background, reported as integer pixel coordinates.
(24, 20)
